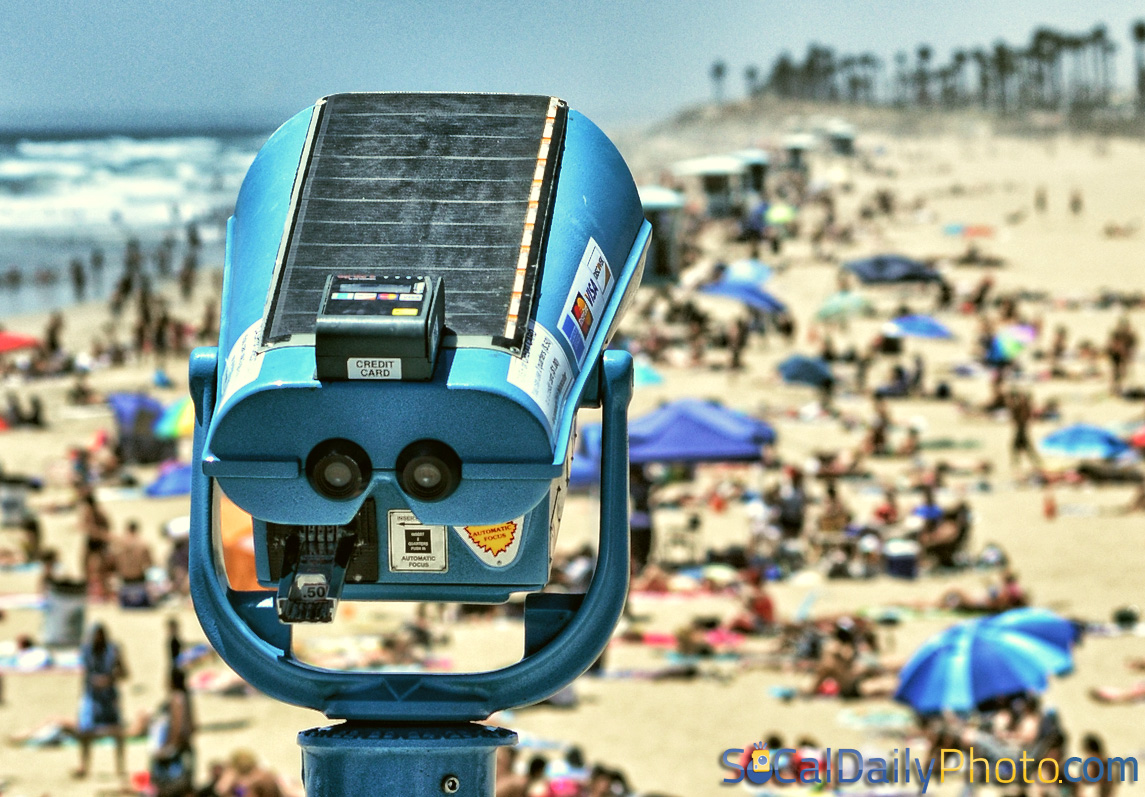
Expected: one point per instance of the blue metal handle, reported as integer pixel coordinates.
(244, 629)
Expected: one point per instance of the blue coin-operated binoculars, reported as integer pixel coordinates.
(418, 293)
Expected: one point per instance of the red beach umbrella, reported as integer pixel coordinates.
(13, 341)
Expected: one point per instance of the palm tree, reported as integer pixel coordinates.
(922, 74)
(1003, 70)
(751, 78)
(719, 72)
(783, 76)
(870, 66)
(982, 64)
(902, 79)
(1139, 53)
(958, 67)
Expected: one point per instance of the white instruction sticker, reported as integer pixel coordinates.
(243, 363)
(373, 368)
(495, 544)
(587, 299)
(415, 546)
(543, 372)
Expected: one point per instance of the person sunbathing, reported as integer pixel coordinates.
(849, 666)
(1009, 595)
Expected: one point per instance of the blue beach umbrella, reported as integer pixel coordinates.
(799, 369)
(174, 479)
(842, 305)
(972, 662)
(1084, 441)
(749, 270)
(921, 326)
(644, 374)
(749, 293)
(1038, 623)
(885, 269)
(128, 405)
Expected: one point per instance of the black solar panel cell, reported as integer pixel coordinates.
(431, 184)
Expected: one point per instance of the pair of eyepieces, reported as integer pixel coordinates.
(428, 470)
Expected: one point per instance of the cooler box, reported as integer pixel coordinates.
(901, 557)
(13, 509)
(64, 608)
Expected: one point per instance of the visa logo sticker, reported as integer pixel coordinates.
(591, 289)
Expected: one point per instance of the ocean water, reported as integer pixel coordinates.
(61, 198)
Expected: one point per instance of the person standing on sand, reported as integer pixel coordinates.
(132, 558)
(96, 528)
(99, 710)
(1076, 203)
(1021, 412)
(173, 729)
(1121, 349)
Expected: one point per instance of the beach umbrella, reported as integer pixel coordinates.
(1038, 623)
(799, 369)
(1138, 438)
(780, 213)
(644, 375)
(921, 326)
(178, 420)
(1023, 333)
(843, 305)
(1004, 347)
(14, 341)
(749, 270)
(174, 479)
(126, 406)
(751, 295)
(975, 661)
(1084, 441)
(885, 269)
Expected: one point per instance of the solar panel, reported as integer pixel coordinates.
(457, 186)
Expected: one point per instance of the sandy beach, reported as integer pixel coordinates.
(667, 737)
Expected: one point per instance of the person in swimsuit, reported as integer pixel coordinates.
(100, 715)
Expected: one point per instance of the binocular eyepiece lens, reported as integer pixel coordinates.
(338, 469)
(427, 475)
(428, 470)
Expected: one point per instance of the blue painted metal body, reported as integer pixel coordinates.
(357, 759)
(259, 411)
(511, 454)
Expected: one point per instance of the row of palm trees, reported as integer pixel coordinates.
(1055, 71)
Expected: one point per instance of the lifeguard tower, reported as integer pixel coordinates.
(663, 209)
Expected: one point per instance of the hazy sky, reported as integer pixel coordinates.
(113, 62)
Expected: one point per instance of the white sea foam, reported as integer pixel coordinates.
(92, 186)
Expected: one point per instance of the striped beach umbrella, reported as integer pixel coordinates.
(178, 420)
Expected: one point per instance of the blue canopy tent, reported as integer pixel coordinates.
(799, 369)
(135, 418)
(747, 292)
(884, 269)
(688, 430)
(174, 479)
